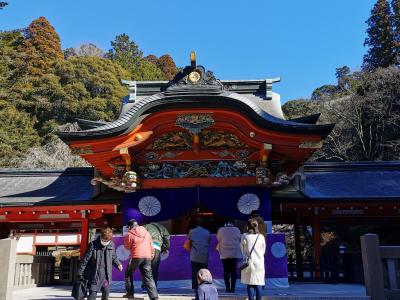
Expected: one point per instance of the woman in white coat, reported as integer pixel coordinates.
(253, 248)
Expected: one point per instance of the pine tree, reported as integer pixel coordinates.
(396, 26)
(380, 40)
(125, 52)
(40, 49)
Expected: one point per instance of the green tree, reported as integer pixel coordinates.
(17, 133)
(299, 108)
(324, 92)
(3, 4)
(91, 89)
(343, 75)
(126, 53)
(147, 71)
(396, 26)
(8, 52)
(380, 39)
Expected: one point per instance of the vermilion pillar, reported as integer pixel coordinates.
(84, 236)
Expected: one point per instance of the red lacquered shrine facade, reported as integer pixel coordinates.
(197, 137)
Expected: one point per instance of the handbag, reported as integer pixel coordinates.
(187, 245)
(245, 262)
(79, 288)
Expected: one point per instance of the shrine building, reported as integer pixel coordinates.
(194, 146)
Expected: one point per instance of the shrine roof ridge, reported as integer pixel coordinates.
(241, 86)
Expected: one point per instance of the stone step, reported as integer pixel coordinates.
(280, 297)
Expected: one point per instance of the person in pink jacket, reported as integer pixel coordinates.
(139, 243)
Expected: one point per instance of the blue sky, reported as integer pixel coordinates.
(301, 41)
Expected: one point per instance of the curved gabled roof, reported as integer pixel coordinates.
(164, 101)
(208, 92)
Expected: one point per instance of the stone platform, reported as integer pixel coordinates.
(296, 291)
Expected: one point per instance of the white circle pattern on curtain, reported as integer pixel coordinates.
(149, 206)
(278, 249)
(247, 203)
(122, 253)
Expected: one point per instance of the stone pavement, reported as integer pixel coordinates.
(296, 291)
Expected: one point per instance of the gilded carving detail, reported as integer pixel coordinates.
(219, 139)
(177, 140)
(194, 122)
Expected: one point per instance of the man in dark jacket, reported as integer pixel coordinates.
(97, 264)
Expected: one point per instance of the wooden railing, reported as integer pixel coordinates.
(32, 271)
(381, 268)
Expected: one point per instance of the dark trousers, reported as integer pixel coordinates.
(155, 265)
(254, 289)
(105, 292)
(144, 265)
(195, 269)
(230, 274)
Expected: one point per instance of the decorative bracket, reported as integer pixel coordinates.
(268, 86)
(265, 149)
(124, 152)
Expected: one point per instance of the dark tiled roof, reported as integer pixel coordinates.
(363, 181)
(360, 180)
(45, 187)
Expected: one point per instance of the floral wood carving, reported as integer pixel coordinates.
(189, 169)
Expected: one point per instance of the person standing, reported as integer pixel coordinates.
(228, 247)
(97, 263)
(253, 249)
(199, 238)
(138, 241)
(161, 244)
(262, 227)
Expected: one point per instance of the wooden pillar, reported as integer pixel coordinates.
(372, 263)
(84, 236)
(316, 236)
(297, 245)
